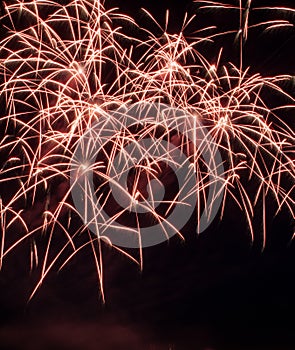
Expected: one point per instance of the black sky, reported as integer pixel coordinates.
(216, 291)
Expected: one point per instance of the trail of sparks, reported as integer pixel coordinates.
(63, 66)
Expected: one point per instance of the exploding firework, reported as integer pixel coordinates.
(130, 135)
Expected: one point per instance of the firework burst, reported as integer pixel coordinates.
(69, 70)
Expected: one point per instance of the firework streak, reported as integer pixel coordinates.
(129, 137)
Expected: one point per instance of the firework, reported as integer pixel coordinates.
(101, 125)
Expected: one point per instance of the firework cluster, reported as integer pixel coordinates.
(62, 67)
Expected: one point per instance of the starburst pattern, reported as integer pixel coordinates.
(63, 67)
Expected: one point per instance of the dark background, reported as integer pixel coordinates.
(215, 291)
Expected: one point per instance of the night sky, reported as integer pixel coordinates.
(216, 291)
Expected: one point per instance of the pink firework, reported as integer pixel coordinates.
(67, 68)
